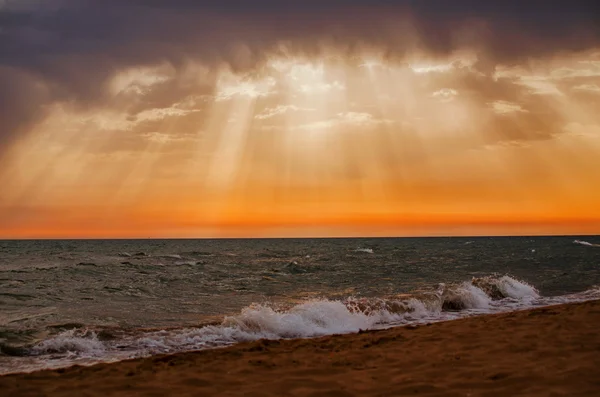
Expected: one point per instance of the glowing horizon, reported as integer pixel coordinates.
(333, 141)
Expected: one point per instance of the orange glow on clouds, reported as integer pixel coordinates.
(328, 144)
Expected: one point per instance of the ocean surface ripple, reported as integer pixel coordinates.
(83, 302)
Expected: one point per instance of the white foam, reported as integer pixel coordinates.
(580, 242)
(365, 250)
(172, 256)
(473, 297)
(327, 317)
(311, 319)
(512, 288)
(71, 341)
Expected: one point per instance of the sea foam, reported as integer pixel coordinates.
(73, 341)
(327, 317)
(313, 318)
(588, 244)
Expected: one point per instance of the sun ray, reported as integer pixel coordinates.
(322, 138)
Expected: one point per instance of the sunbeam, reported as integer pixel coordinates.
(319, 140)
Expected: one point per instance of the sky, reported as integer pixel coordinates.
(181, 118)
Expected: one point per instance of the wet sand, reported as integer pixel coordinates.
(551, 351)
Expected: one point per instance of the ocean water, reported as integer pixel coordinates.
(71, 302)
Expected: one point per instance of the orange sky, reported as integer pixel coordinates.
(330, 142)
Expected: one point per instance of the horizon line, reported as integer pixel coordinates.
(293, 237)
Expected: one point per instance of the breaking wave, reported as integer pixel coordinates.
(73, 341)
(492, 294)
(581, 242)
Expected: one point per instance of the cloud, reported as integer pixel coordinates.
(21, 100)
(233, 86)
(573, 73)
(581, 130)
(160, 114)
(594, 88)
(345, 119)
(505, 107)
(280, 110)
(71, 50)
(321, 87)
(445, 94)
(306, 77)
(553, 76)
(540, 82)
(163, 138)
(139, 81)
(461, 61)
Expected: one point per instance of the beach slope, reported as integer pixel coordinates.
(550, 351)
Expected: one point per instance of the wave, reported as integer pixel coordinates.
(188, 263)
(312, 318)
(171, 256)
(505, 287)
(580, 242)
(128, 255)
(318, 317)
(73, 341)
(365, 250)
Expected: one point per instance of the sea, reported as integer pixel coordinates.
(80, 302)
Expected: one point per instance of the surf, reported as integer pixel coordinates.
(308, 319)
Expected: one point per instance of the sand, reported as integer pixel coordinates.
(551, 351)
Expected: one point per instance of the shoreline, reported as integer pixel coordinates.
(553, 349)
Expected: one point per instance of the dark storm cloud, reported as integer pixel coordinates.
(67, 49)
(20, 101)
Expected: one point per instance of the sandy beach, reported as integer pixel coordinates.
(550, 351)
